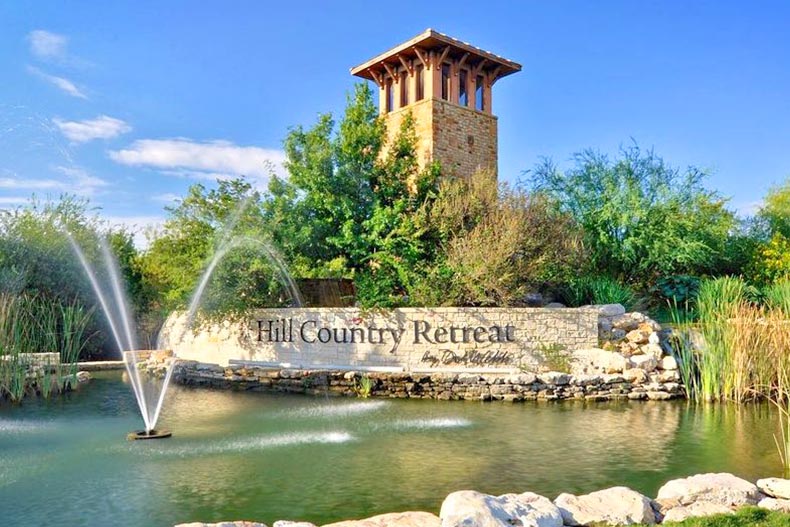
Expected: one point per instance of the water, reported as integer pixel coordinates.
(265, 457)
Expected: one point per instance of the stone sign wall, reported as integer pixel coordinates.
(411, 339)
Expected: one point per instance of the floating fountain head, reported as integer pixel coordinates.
(149, 371)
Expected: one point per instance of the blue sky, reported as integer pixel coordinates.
(129, 103)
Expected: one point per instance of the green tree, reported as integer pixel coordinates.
(348, 209)
(197, 226)
(642, 219)
(771, 251)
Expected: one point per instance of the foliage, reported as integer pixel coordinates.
(777, 296)
(677, 289)
(36, 258)
(363, 387)
(34, 324)
(586, 290)
(741, 350)
(498, 243)
(642, 219)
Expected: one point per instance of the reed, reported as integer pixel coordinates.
(32, 324)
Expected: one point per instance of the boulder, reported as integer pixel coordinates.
(628, 321)
(647, 363)
(468, 508)
(722, 489)
(775, 487)
(554, 305)
(596, 360)
(695, 510)
(395, 519)
(635, 375)
(610, 310)
(668, 363)
(637, 337)
(653, 350)
(554, 378)
(286, 523)
(614, 506)
(775, 504)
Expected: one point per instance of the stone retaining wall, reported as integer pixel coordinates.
(660, 385)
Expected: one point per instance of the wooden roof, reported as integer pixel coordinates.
(430, 40)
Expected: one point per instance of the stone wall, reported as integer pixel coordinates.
(462, 139)
(412, 339)
(444, 386)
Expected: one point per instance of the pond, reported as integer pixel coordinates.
(268, 457)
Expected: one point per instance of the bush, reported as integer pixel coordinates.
(598, 290)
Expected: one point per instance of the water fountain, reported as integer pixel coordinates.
(149, 391)
(150, 386)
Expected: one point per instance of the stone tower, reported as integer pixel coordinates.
(446, 85)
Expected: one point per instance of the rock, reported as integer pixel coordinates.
(554, 377)
(695, 510)
(669, 376)
(636, 336)
(533, 299)
(610, 310)
(653, 350)
(658, 396)
(646, 363)
(628, 321)
(286, 523)
(395, 519)
(596, 360)
(635, 375)
(774, 504)
(468, 508)
(83, 376)
(722, 488)
(653, 338)
(668, 363)
(614, 506)
(554, 305)
(618, 334)
(775, 487)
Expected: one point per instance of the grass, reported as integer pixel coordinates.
(599, 290)
(363, 387)
(34, 324)
(745, 346)
(745, 517)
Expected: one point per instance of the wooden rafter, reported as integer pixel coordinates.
(463, 59)
(494, 75)
(479, 67)
(390, 71)
(377, 77)
(406, 65)
(423, 58)
(442, 56)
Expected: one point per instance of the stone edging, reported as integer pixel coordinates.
(443, 386)
(677, 500)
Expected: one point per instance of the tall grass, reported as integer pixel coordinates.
(33, 324)
(745, 347)
(599, 290)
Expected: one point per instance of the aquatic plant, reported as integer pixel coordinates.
(363, 387)
(34, 324)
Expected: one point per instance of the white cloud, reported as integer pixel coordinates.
(138, 226)
(46, 45)
(168, 198)
(61, 83)
(202, 160)
(13, 200)
(749, 208)
(102, 127)
(77, 182)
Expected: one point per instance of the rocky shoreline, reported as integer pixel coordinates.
(677, 500)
